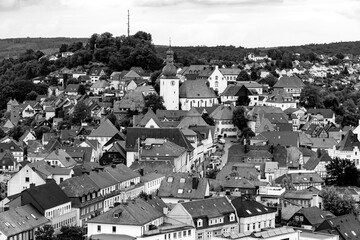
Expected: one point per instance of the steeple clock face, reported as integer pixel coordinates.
(172, 83)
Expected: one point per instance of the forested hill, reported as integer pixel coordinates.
(12, 47)
(191, 54)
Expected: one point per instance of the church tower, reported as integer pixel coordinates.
(169, 83)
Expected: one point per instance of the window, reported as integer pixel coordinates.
(180, 190)
(199, 223)
(216, 84)
(248, 227)
(27, 179)
(232, 217)
(232, 229)
(114, 229)
(175, 235)
(179, 234)
(184, 233)
(209, 234)
(200, 236)
(61, 179)
(99, 228)
(189, 232)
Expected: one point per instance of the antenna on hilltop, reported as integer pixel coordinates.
(169, 42)
(128, 23)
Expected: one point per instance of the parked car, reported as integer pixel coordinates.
(221, 141)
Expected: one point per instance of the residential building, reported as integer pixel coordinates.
(222, 116)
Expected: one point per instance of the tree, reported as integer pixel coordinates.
(243, 76)
(81, 112)
(2, 133)
(82, 89)
(41, 130)
(31, 95)
(342, 172)
(337, 204)
(269, 79)
(246, 133)
(45, 232)
(239, 119)
(243, 101)
(154, 101)
(309, 97)
(254, 75)
(71, 233)
(16, 132)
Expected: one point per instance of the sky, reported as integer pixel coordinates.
(246, 23)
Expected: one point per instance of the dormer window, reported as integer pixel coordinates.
(232, 217)
(199, 223)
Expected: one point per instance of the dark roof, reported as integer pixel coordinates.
(326, 113)
(78, 186)
(284, 138)
(163, 167)
(314, 215)
(172, 134)
(44, 196)
(300, 178)
(210, 208)
(289, 82)
(346, 226)
(136, 212)
(348, 143)
(184, 186)
(250, 208)
(196, 89)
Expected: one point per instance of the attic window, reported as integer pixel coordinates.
(353, 233)
(331, 222)
(266, 209)
(321, 216)
(258, 210)
(182, 180)
(346, 234)
(170, 179)
(33, 216)
(248, 211)
(180, 190)
(305, 179)
(189, 191)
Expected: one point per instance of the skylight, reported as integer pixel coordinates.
(182, 180)
(346, 234)
(170, 179)
(353, 233)
(180, 190)
(258, 210)
(33, 216)
(248, 211)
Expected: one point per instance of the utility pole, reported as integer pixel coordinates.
(128, 23)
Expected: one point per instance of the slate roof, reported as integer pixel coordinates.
(105, 129)
(283, 138)
(61, 156)
(314, 215)
(196, 89)
(136, 212)
(162, 167)
(100, 84)
(45, 170)
(82, 152)
(147, 117)
(172, 134)
(20, 219)
(121, 172)
(326, 113)
(78, 186)
(314, 160)
(346, 226)
(250, 208)
(300, 178)
(171, 114)
(166, 149)
(223, 112)
(348, 143)
(210, 208)
(307, 193)
(289, 82)
(173, 182)
(45, 196)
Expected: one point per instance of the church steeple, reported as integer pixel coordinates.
(169, 69)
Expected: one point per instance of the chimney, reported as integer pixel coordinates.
(165, 210)
(195, 182)
(113, 165)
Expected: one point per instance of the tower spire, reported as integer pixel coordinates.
(128, 24)
(169, 42)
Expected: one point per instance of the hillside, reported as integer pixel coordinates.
(11, 47)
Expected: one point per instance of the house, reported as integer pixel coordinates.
(36, 173)
(216, 80)
(327, 114)
(281, 99)
(309, 218)
(27, 136)
(95, 73)
(309, 197)
(85, 197)
(253, 216)
(196, 93)
(152, 182)
(211, 217)
(160, 149)
(230, 74)
(52, 203)
(131, 101)
(291, 85)
(49, 112)
(284, 138)
(60, 158)
(347, 148)
(180, 187)
(21, 223)
(222, 116)
(134, 218)
(72, 89)
(104, 132)
(99, 87)
(175, 135)
(301, 180)
(345, 226)
(7, 162)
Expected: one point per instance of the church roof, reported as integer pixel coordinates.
(196, 89)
